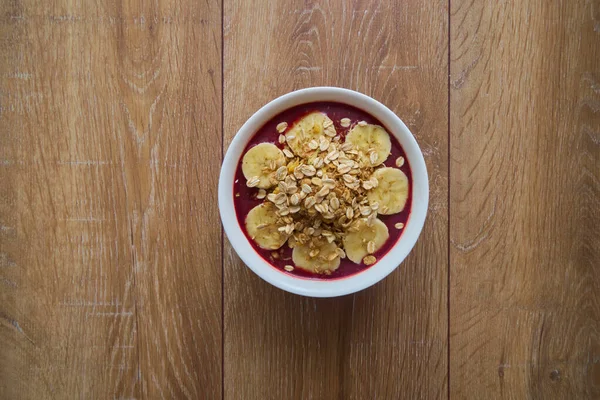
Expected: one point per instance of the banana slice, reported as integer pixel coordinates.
(372, 141)
(322, 259)
(391, 192)
(262, 161)
(303, 137)
(262, 227)
(365, 239)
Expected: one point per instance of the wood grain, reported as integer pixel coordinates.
(525, 200)
(110, 243)
(390, 340)
(110, 268)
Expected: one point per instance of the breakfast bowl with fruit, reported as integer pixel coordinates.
(323, 192)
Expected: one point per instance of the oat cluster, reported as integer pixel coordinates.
(319, 197)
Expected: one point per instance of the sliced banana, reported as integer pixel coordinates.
(261, 162)
(322, 259)
(304, 137)
(365, 239)
(372, 141)
(391, 192)
(262, 227)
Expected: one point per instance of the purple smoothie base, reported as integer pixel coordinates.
(245, 197)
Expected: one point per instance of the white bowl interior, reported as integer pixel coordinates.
(384, 266)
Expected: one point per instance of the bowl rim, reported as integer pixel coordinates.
(397, 253)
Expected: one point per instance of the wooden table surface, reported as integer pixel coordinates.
(116, 281)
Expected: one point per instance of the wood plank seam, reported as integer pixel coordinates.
(448, 285)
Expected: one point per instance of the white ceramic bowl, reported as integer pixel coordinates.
(353, 283)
